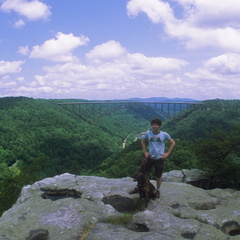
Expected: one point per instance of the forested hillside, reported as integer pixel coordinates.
(41, 139)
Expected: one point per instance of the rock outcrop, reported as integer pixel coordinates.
(185, 175)
(70, 207)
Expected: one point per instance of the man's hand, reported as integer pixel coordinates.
(165, 155)
(147, 156)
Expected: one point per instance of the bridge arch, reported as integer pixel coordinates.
(96, 110)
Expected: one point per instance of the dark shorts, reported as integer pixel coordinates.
(158, 165)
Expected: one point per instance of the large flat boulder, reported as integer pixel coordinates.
(70, 207)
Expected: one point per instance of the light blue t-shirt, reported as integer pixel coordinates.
(156, 143)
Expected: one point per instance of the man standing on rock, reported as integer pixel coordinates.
(156, 155)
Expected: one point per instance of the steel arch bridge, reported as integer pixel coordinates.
(96, 110)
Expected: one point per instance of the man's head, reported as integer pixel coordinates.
(156, 121)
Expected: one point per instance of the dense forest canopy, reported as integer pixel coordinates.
(41, 139)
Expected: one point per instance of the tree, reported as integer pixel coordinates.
(218, 154)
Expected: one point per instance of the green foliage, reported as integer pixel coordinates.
(183, 156)
(211, 115)
(122, 220)
(123, 163)
(10, 188)
(33, 128)
(6, 172)
(218, 154)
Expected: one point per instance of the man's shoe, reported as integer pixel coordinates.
(135, 190)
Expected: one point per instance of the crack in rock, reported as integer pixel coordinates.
(60, 194)
(39, 234)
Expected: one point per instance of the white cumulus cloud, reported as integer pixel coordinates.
(225, 64)
(109, 50)
(32, 10)
(213, 23)
(7, 67)
(60, 48)
(157, 11)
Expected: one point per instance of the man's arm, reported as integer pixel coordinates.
(172, 142)
(146, 154)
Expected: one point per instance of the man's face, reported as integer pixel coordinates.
(155, 128)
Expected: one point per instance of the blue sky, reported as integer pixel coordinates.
(118, 49)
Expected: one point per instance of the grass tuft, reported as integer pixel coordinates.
(122, 220)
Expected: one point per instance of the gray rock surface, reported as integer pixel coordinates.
(184, 175)
(70, 207)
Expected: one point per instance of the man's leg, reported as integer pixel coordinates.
(159, 181)
(158, 172)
